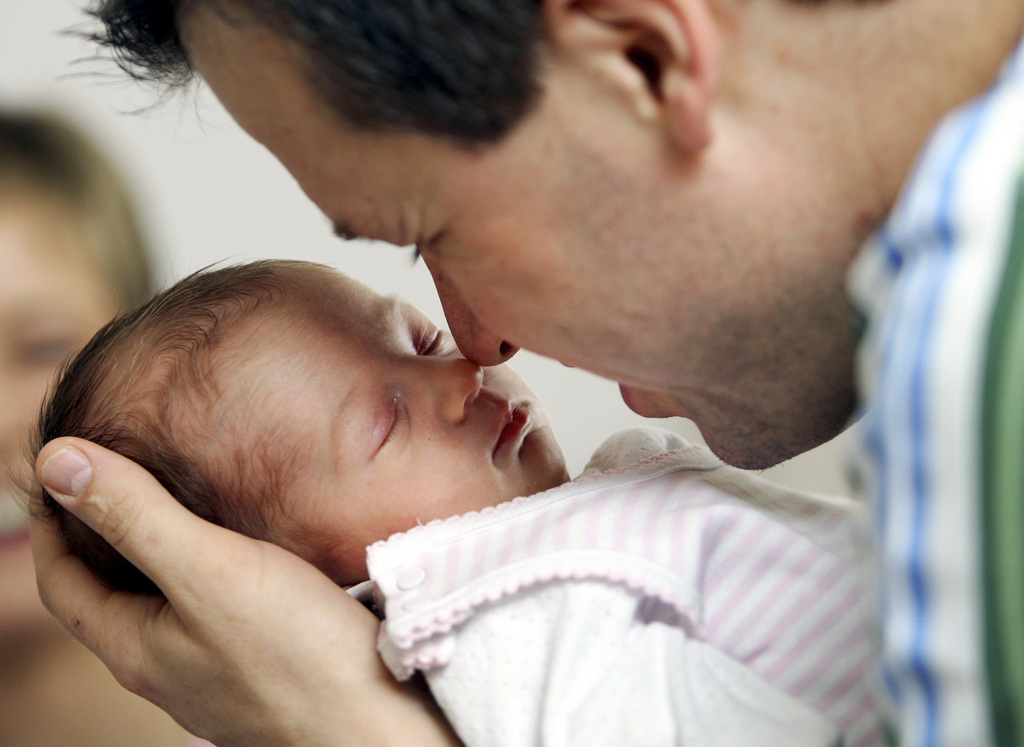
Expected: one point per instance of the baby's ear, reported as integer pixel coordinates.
(663, 55)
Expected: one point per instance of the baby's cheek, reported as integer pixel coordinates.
(543, 461)
(339, 560)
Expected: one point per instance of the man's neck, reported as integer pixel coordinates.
(929, 57)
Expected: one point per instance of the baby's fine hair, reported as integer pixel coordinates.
(143, 387)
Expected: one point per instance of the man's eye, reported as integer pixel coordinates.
(429, 246)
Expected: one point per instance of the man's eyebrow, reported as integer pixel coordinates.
(342, 231)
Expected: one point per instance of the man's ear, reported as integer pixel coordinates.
(662, 54)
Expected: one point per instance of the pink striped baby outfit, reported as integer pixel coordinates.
(673, 600)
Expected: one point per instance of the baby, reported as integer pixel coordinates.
(660, 598)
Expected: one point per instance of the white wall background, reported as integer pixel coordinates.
(209, 193)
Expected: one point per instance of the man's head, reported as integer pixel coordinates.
(295, 405)
(669, 198)
(464, 70)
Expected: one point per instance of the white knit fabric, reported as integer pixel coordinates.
(673, 601)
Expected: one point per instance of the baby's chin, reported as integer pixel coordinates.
(544, 458)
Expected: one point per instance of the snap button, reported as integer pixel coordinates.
(410, 578)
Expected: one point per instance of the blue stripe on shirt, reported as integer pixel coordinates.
(937, 268)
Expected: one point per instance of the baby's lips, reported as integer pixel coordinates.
(513, 431)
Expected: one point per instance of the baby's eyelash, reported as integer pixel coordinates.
(431, 347)
(416, 256)
(396, 420)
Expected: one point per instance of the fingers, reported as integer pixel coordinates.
(107, 622)
(65, 585)
(129, 508)
(252, 645)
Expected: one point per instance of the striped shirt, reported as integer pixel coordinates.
(941, 373)
(765, 583)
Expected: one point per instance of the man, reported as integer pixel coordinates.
(669, 193)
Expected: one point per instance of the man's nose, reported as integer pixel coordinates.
(475, 341)
(457, 382)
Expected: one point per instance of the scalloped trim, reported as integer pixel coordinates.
(708, 462)
(408, 629)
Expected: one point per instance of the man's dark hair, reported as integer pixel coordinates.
(464, 69)
(142, 387)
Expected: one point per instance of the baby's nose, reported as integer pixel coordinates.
(460, 381)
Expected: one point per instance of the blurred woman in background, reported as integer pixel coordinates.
(71, 255)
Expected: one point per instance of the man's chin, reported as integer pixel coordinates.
(744, 443)
(747, 458)
(757, 447)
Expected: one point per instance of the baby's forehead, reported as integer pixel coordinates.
(326, 293)
(312, 302)
(318, 287)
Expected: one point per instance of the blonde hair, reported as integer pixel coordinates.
(43, 157)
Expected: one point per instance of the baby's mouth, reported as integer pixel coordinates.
(513, 430)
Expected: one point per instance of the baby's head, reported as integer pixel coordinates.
(293, 404)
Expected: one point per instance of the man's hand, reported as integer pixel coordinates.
(249, 644)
